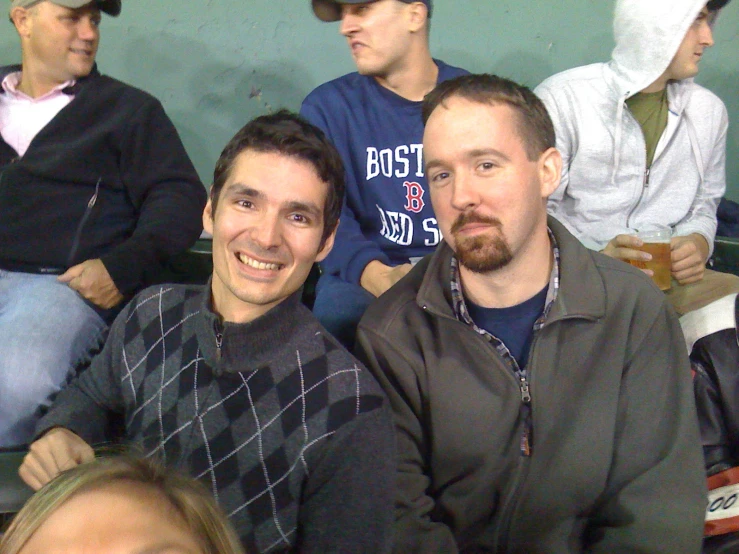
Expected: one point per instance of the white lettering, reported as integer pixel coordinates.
(396, 227)
(431, 226)
(385, 228)
(373, 163)
(386, 162)
(401, 153)
(417, 149)
(396, 162)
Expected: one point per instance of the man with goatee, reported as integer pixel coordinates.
(541, 390)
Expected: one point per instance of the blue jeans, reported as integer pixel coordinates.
(46, 331)
(339, 306)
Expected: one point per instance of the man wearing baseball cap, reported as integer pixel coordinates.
(96, 193)
(373, 116)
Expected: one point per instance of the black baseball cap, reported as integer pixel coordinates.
(715, 5)
(330, 10)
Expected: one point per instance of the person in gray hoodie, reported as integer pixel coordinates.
(643, 144)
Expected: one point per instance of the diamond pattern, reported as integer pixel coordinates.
(250, 435)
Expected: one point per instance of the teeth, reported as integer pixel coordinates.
(244, 259)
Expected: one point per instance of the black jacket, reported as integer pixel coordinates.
(107, 178)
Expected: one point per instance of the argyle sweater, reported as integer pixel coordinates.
(289, 431)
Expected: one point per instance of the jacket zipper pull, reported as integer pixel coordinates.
(94, 198)
(219, 343)
(526, 437)
(525, 394)
(218, 330)
(83, 221)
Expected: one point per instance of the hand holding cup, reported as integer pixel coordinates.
(656, 242)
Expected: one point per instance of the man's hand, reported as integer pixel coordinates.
(93, 282)
(378, 277)
(58, 450)
(626, 247)
(689, 255)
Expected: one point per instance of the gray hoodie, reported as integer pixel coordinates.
(606, 187)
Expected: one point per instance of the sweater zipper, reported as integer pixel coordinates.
(526, 450)
(645, 181)
(85, 216)
(219, 339)
(527, 433)
(645, 186)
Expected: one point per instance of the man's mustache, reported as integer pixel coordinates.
(473, 217)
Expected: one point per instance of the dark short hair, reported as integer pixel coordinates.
(715, 5)
(534, 123)
(287, 133)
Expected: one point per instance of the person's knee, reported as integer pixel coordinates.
(37, 362)
(32, 374)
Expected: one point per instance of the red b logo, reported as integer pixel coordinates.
(414, 197)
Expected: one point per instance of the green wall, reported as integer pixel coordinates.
(217, 63)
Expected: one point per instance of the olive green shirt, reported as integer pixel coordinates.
(650, 110)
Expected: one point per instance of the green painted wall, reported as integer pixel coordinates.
(217, 63)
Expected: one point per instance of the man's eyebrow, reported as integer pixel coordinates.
(240, 189)
(306, 207)
(431, 164)
(476, 153)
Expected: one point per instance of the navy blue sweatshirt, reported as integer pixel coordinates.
(387, 214)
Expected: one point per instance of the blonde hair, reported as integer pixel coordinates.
(204, 519)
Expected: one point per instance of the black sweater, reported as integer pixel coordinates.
(107, 178)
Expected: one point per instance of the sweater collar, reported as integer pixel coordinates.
(581, 290)
(72, 90)
(249, 346)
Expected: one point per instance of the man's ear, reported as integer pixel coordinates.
(328, 244)
(208, 217)
(550, 171)
(21, 19)
(417, 15)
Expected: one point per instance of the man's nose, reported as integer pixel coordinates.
(267, 233)
(87, 29)
(349, 24)
(464, 194)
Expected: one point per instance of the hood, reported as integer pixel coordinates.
(648, 34)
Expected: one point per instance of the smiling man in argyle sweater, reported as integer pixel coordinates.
(237, 382)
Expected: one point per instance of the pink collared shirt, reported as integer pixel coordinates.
(22, 117)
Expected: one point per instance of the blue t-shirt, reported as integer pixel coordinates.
(513, 326)
(387, 215)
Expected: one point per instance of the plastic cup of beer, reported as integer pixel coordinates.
(657, 243)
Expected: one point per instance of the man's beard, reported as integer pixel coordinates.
(481, 254)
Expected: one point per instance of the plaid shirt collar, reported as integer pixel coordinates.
(462, 313)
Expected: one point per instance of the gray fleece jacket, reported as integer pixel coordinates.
(606, 189)
(615, 464)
